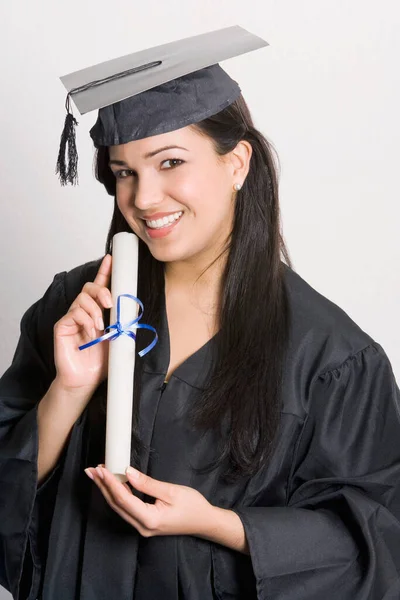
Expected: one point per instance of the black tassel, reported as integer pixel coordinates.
(68, 174)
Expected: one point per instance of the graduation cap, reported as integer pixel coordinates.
(152, 91)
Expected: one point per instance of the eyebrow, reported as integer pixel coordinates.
(122, 163)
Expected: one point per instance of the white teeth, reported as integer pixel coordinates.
(158, 223)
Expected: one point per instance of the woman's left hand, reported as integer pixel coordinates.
(178, 510)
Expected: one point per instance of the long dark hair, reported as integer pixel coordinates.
(245, 384)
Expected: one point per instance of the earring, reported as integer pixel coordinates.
(237, 187)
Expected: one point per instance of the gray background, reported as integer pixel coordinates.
(326, 93)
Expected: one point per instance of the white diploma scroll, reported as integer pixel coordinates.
(122, 351)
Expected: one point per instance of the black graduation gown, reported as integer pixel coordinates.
(322, 519)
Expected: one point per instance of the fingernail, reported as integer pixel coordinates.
(88, 473)
(94, 334)
(100, 324)
(100, 472)
(109, 302)
(132, 472)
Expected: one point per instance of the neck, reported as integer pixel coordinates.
(195, 278)
(195, 270)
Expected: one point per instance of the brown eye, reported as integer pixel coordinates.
(174, 162)
(123, 174)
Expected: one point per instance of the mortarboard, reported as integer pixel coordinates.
(153, 91)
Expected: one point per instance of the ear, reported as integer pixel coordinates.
(240, 159)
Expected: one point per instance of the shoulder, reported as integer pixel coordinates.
(323, 341)
(320, 329)
(35, 345)
(64, 288)
(75, 279)
(58, 297)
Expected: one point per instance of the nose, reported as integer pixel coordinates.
(148, 192)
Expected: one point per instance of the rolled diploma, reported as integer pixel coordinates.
(121, 361)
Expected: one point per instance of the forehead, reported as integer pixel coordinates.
(186, 137)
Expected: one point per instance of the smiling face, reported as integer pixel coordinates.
(176, 193)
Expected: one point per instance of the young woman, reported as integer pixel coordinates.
(266, 422)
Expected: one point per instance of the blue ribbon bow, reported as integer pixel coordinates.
(125, 329)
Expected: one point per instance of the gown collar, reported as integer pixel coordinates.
(194, 370)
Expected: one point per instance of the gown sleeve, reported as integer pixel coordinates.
(22, 503)
(339, 533)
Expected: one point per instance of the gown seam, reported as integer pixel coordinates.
(348, 359)
(64, 273)
(172, 376)
(293, 461)
(307, 417)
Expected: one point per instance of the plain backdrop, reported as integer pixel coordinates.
(326, 93)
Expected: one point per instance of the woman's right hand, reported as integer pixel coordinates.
(83, 370)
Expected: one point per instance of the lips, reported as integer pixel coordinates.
(165, 221)
(163, 231)
(158, 215)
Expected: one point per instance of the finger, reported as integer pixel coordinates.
(91, 307)
(130, 508)
(75, 320)
(124, 514)
(100, 295)
(104, 273)
(136, 508)
(152, 487)
(126, 486)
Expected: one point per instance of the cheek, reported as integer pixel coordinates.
(183, 186)
(123, 197)
(201, 190)
(215, 197)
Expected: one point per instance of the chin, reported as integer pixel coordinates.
(166, 256)
(169, 255)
